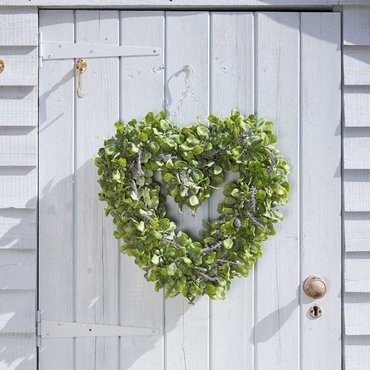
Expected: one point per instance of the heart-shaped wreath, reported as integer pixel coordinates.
(193, 161)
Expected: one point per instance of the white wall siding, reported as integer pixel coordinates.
(356, 163)
(18, 179)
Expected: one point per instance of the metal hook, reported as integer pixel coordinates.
(81, 66)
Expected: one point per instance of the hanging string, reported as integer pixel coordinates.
(186, 71)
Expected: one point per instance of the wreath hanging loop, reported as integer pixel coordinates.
(192, 162)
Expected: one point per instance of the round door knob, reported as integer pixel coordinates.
(314, 287)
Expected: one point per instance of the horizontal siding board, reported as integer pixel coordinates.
(18, 352)
(357, 232)
(356, 313)
(17, 311)
(356, 148)
(18, 146)
(357, 273)
(18, 187)
(356, 65)
(357, 352)
(356, 25)
(356, 191)
(19, 26)
(18, 106)
(20, 66)
(17, 269)
(356, 106)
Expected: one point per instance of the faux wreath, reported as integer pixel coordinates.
(192, 161)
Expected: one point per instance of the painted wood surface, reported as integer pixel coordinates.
(187, 43)
(56, 204)
(356, 65)
(18, 146)
(17, 269)
(357, 231)
(356, 148)
(356, 38)
(232, 85)
(142, 90)
(18, 187)
(18, 106)
(19, 66)
(276, 327)
(19, 26)
(356, 25)
(184, 4)
(84, 279)
(356, 101)
(18, 229)
(356, 186)
(321, 167)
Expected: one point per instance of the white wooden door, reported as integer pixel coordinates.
(283, 66)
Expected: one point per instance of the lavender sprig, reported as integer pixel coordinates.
(167, 157)
(211, 247)
(207, 277)
(172, 242)
(139, 170)
(253, 198)
(237, 223)
(255, 221)
(236, 263)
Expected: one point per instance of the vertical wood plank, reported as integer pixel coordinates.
(141, 80)
(96, 265)
(232, 86)
(277, 273)
(187, 42)
(321, 185)
(56, 190)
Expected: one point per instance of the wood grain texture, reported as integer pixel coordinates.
(356, 65)
(357, 273)
(18, 229)
(19, 26)
(56, 166)
(96, 251)
(356, 313)
(357, 352)
(357, 231)
(356, 101)
(321, 186)
(356, 25)
(183, 4)
(18, 146)
(18, 186)
(232, 82)
(18, 106)
(187, 42)
(18, 351)
(17, 269)
(276, 329)
(356, 186)
(17, 311)
(20, 65)
(142, 90)
(356, 148)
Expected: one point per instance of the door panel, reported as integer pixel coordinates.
(283, 66)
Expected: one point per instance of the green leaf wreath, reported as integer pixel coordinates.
(192, 161)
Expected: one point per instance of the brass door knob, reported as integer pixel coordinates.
(314, 287)
(2, 66)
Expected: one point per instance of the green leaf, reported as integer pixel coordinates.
(194, 200)
(228, 243)
(202, 131)
(141, 226)
(155, 259)
(171, 269)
